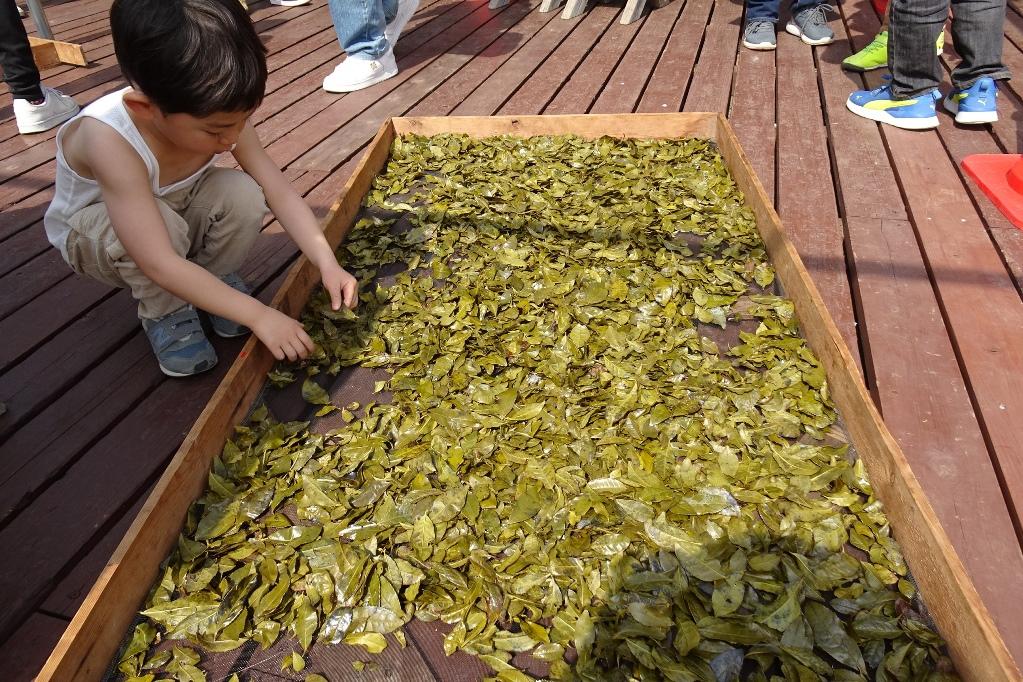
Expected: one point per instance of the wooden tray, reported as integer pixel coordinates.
(97, 630)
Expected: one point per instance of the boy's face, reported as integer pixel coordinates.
(213, 134)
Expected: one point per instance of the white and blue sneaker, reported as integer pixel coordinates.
(915, 113)
(975, 105)
(178, 341)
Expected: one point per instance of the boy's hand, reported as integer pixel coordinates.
(341, 286)
(284, 336)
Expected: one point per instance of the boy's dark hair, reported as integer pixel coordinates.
(195, 57)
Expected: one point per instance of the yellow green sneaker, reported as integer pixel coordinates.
(875, 55)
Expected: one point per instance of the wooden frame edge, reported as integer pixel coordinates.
(950, 596)
(95, 633)
(583, 125)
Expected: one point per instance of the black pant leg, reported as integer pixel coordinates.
(19, 68)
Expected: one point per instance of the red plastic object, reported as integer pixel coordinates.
(1001, 178)
(879, 6)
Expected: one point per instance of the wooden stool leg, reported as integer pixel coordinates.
(494, 4)
(573, 9)
(550, 5)
(633, 11)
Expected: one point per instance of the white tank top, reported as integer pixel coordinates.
(72, 192)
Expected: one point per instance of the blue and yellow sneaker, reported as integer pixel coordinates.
(915, 113)
(976, 104)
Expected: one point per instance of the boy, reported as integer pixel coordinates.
(139, 204)
(808, 23)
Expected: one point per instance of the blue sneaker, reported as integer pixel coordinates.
(179, 343)
(976, 104)
(915, 113)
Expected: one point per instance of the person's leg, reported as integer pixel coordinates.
(908, 100)
(912, 32)
(875, 54)
(398, 13)
(36, 108)
(172, 326)
(759, 32)
(19, 67)
(360, 26)
(94, 250)
(977, 31)
(225, 212)
(762, 10)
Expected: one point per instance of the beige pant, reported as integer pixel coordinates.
(213, 223)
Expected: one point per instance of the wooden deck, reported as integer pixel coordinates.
(921, 273)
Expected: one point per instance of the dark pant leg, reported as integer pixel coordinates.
(913, 29)
(977, 27)
(762, 9)
(20, 70)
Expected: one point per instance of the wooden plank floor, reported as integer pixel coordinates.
(921, 273)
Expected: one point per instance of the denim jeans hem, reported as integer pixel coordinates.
(360, 25)
(770, 10)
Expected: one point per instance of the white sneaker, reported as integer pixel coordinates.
(35, 118)
(406, 8)
(355, 74)
(289, 3)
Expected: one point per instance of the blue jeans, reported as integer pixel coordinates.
(913, 27)
(768, 9)
(360, 25)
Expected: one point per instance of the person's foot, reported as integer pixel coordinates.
(225, 328)
(915, 113)
(289, 3)
(873, 56)
(811, 26)
(406, 8)
(179, 343)
(759, 35)
(54, 109)
(975, 105)
(355, 74)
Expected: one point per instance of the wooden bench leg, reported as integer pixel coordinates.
(633, 11)
(573, 9)
(494, 4)
(550, 5)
